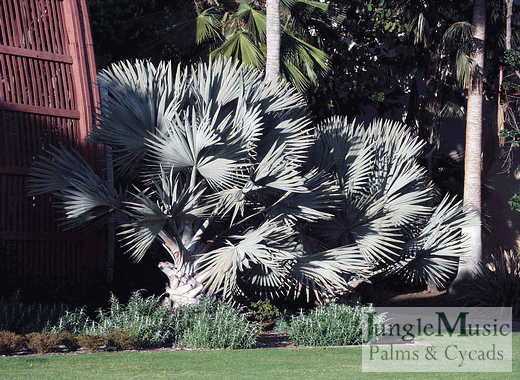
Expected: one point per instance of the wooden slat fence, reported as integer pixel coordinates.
(47, 97)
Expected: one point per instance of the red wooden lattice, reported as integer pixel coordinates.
(47, 97)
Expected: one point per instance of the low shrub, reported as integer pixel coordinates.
(264, 313)
(92, 342)
(10, 342)
(149, 322)
(145, 322)
(121, 339)
(41, 343)
(332, 325)
(217, 325)
(68, 340)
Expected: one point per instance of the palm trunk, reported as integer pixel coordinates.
(273, 35)
(502, 108)
(185, 283)
(185, 286)
(509, 15)
(473, 150)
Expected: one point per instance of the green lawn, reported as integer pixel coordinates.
(316, 363)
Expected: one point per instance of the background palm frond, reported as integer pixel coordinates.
(302, 63)
(206, 28)
(241, 48)
(253, 18)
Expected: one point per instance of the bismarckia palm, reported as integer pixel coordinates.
(249, 197)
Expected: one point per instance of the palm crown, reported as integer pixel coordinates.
(246, 195)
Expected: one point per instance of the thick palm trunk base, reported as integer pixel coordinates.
(183, 287)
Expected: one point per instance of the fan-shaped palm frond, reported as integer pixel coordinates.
(394, 138)
(178, 200)
(435, 253)
(241, 48)
(372, 229)
(302, 63)
(198, 142)
(337, 146)
(464, 68)
(458, 36)
(378, 164)
(318, 202)
(359, 173)
(206, 28)
(253, 18)
(85, 197)
(456, 47)
(399, 181)
(255, 247)
(148, 221)
(292, 132)
(302, 9)
(407, 196)
(87, 201)
(328, 270)
(139, 101)
(276, 172)
(203, 29)
(221, 82)
(274, 110)
(270, 97)
(55, 172)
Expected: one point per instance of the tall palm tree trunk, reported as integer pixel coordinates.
(273, 35)
(502, 107)
(473, 150)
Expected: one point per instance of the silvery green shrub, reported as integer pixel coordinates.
(332, 325)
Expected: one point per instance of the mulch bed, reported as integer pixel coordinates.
(270, 339)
